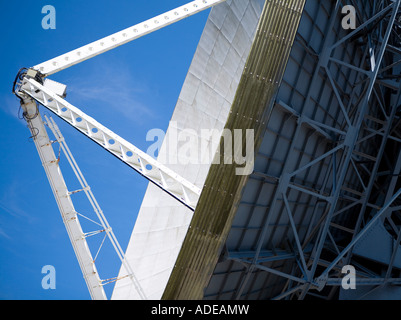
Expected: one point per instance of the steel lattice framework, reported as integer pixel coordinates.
(338, 178)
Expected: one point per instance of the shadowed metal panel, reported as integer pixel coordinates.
(276, 156)
(285, 204)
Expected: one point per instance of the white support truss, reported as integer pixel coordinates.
(119, 38)
(64, 202)
(102, 221)
(166, 179)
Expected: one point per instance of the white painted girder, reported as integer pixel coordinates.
(96, 208)
(175, 185)
(119, 38)
(64, 202)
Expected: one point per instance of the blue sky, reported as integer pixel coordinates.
(130, 90)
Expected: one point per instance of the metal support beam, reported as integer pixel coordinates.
(122, 37)
(96, 208)
(151, 169)
(346, 144)
(324, 275)
(64, 202)
(353, 135)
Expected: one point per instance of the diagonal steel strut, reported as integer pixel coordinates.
(144, 164)
(122, 37)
